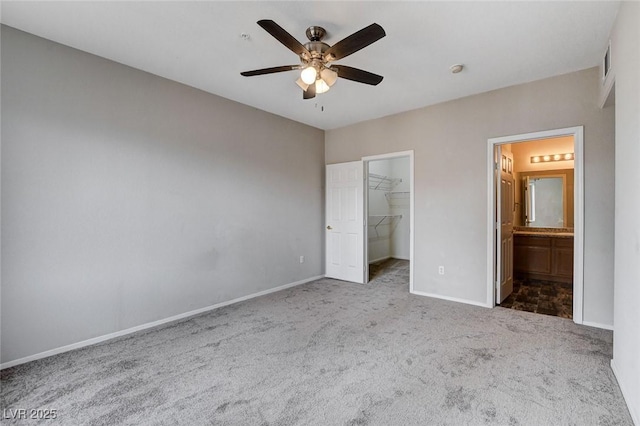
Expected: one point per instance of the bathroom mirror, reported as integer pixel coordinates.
(544, 201)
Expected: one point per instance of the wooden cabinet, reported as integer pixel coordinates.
(543, 257)
(562, 257)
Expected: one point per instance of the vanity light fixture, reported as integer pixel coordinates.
(552, 157)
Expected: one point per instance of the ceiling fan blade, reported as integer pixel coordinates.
(355, 74)
(355, 42)
(310, 92)
(284, 37)
(270, 70)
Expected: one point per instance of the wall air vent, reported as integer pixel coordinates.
(606, 62)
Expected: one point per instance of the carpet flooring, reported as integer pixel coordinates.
(333, 353)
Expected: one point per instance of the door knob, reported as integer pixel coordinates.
(329, 227)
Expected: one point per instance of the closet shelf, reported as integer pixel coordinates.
(376, 220)
(397, 198)
(382, 183)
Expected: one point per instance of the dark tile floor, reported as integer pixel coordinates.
(542, 297)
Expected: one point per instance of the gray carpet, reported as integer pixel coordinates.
(331, 353)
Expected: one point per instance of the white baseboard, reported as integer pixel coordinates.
(597, 325)
(451, 299)
(120, 333)
(625, 394)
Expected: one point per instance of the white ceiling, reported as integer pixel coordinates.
(199, 44)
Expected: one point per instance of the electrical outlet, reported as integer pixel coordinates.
(301, 259)
(441, 270)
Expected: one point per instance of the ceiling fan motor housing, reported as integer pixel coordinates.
(315, 33)
(315, 46)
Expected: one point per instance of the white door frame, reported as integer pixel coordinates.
(411, 208)
(578, 226)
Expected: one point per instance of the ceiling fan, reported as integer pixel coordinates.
(316, 57)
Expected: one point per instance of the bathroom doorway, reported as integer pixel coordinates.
(541, 204)
(535, 222)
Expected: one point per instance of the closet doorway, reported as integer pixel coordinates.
(389, 216)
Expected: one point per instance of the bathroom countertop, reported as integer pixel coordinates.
(544, 234)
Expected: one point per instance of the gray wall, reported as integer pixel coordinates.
(379, 239)
(450, 144)
(625, 50)
(128, 198)
(400, 241)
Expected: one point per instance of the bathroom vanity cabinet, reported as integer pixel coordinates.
(544, 257)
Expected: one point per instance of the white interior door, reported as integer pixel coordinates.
(345, 222)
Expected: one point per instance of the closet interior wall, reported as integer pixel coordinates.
(388, 216)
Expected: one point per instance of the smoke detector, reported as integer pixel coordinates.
(455, 69)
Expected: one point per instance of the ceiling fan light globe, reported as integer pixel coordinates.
(329, 76)
(309, 75)
(302, 84)
(321, 86)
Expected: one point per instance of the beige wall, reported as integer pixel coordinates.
(523, 151)
(450, 144)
